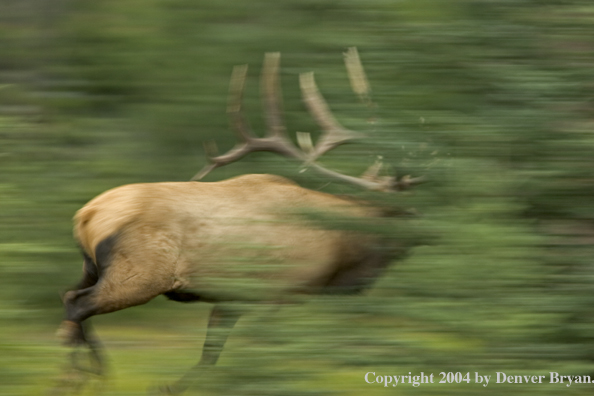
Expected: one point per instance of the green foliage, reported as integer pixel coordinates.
(491, 100)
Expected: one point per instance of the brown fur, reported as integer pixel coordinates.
(190, 236)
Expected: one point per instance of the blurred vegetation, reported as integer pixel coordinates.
(491, 99)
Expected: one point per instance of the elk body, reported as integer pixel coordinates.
(243, 239)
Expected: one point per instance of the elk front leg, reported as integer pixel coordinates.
(221, 322)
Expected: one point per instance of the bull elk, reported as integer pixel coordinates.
(196, 241)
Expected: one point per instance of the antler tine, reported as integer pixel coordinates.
(234, 102)
(238, 122)
(271, 95)
(406, 182)
(373, 171)
(388, 183)
(334, 133)
(357, 77)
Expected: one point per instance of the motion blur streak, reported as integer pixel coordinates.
(491, 100)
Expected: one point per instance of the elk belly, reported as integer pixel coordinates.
(260, 261)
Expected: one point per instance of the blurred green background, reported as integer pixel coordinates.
(493, 100)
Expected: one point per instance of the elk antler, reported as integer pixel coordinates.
(276, 139)
(334, 133)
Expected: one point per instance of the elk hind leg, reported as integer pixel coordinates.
(75, 334)
(71, 330)
(118, 286)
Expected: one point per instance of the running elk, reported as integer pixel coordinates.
(242, 239)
